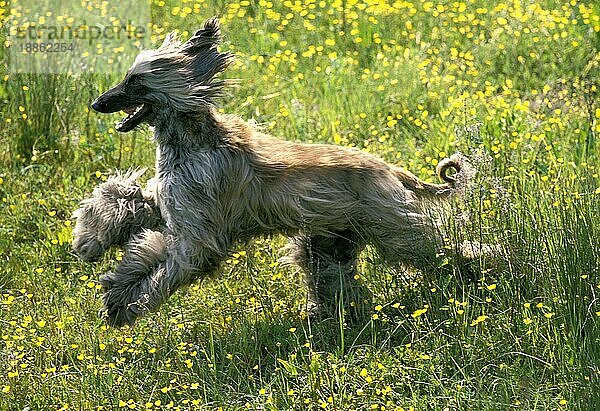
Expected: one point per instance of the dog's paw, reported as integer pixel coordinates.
(118, 316)
(122, 301)
(473, 250)
(87, 247)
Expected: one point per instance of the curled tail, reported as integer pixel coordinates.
(455, 162)
(423, 189)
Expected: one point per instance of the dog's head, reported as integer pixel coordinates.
(175, 77)
(111, 216)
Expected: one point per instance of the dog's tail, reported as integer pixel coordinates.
(429, 190)
(455, 162)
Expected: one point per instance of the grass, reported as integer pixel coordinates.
(512, 85)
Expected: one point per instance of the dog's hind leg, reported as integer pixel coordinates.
(151, 270)
(406, 237)
(329, 263)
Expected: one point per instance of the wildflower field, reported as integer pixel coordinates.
(513, 85)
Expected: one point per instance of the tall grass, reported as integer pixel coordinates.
(405, 81)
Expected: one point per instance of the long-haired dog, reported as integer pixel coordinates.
(220, 181)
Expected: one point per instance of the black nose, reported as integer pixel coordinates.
(96, 105)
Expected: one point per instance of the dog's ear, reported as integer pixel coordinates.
(205, 60)
(207, 36)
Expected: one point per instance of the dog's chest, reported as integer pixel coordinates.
(187, 189)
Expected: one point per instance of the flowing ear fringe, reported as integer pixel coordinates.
(207, 63)
(207, 36)
(186, 71)
(205, 60)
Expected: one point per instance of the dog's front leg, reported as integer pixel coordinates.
(153, 268)
(118, 210)
(124, 297)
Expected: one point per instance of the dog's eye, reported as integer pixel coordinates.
(134, 84)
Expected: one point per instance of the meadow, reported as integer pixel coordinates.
(513, 85)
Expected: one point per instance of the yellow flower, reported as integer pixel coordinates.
(420, 312)
(479, 320)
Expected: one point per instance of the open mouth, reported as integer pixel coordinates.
(135, 115)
